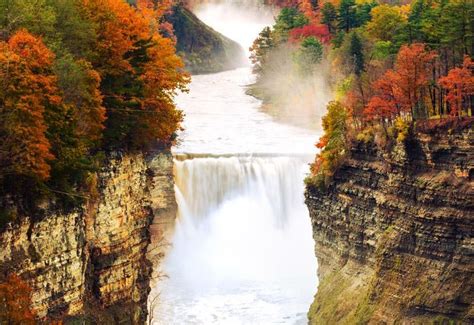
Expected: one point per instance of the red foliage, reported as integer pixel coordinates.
(460, 86)
(401, 90)
(385, 103)
(321, 32)
(413, 70)
(323, 141)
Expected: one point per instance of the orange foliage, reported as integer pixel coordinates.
(308, 7)
(460, 86)
(28, 87)
(162, 77)
(15, 300)
(131, 47)
(119, 28)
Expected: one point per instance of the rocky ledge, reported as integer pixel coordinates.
(394, 234)
(93, 265)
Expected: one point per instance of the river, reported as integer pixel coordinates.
(242, 251)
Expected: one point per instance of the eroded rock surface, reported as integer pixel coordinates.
(394, 234)
(94, 261)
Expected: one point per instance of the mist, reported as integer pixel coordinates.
(291, 95)
(288, 95)
(241, 20)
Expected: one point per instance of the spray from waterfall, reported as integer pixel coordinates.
(242, 239)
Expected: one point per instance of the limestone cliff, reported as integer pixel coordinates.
(394, 234)
(92, 264)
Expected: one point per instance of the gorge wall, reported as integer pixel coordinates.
(203, 49)
(94, 263)
(394, 234)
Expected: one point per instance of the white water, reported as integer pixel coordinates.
(242, 252)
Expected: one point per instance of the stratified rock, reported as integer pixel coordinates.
(91, 264)
(394, 234)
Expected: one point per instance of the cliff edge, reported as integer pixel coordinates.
(93, 265)
(394, 234)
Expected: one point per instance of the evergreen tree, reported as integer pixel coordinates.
(329, 16)
(357, 55)
(347, 17)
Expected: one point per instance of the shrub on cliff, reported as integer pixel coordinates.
(333, 145)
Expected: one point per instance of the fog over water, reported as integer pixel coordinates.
(242, 251)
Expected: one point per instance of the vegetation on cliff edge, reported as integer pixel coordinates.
(79, 78)
(391, 66)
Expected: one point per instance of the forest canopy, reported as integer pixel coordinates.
(77, 78)
(392, 65)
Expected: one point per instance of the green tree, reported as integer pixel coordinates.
(357, 55)
(309, 54)
(288, 19)
(260, 49)
(456, 28)
(329, 16)
(347, 16)
(387, 21)
(363, 12)
(37, 16)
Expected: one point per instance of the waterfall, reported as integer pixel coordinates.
(242, 252)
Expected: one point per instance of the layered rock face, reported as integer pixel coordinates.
(92, 263)
(394, 234)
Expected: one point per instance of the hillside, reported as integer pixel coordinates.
(203, 49)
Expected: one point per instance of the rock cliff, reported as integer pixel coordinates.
(394, 234)
(91, 264)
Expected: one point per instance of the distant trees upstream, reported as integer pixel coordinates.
(392, 66)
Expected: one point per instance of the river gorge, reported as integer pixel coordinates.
(227, 217)
(242, 250)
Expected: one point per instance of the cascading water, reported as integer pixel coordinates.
(242, 250)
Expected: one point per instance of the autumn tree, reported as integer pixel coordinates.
(27, 89)
(131, 55)
(260, 49)
(320, 32)
(387, 21)
(288, 19)
(385, 105)
(459, 84)
(333, 145)
(404, 88)
(413, 71)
